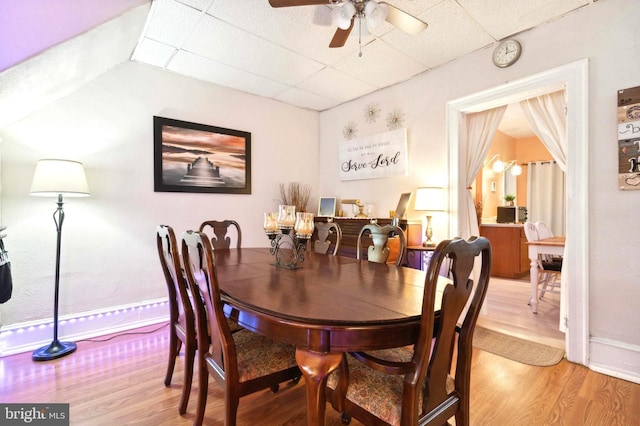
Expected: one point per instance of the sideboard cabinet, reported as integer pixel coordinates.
(351, 227)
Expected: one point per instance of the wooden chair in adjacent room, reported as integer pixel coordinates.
(329, 233)
(242, 362)
(181, 316)
(382, 237)
(218, 232)
(548, 267)
(428, 382)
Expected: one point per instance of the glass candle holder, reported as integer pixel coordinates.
(304, 225)
(271, 223)
(286, 216)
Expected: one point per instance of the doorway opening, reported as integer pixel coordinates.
(515, 150)
(573, 78)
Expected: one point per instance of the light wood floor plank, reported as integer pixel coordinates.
(120, 382)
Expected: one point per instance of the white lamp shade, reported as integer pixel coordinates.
(430, 199)
(53, 177)
(516, 170)
(498, 166)
(375, 13)
(341, 15)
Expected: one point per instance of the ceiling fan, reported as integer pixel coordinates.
(373, 12)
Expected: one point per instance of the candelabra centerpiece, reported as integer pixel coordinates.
(289, 232)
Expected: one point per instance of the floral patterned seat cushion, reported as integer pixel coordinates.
(258, 355)
(376, 392)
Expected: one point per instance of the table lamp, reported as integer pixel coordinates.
(57, 178)
(429, 199)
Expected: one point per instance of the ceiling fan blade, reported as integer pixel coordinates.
(287, 3)
(402, 20)
(340, 37)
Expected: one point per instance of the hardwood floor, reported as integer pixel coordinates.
(120, 382)
(506, 310)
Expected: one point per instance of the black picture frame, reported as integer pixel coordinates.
(193, 157)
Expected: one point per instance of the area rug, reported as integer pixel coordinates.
(516, 349)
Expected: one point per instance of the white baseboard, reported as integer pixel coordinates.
(28, 336)
(614, 358)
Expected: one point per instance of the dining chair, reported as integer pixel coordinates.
(242, 362)
(428, 382)
(181, 316)
(549, 267)
(381, 236)
(326, 232)
(217, 230)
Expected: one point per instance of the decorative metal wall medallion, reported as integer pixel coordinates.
(350, 130)
(395, 119)
(372, 112)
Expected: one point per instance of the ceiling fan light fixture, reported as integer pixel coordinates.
(375, 13)
(341, 15)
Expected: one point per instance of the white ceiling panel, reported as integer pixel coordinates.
(336, 85)
(247, 44)
(171, 22)
(380, 65)
(502, 18)
(154, 53)
(208, 70)
(451, 34)
(304, 99)
(215, 39)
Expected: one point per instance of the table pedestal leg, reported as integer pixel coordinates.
(315, 368)
(534, 272)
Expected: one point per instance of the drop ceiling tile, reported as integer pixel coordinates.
(208, 70)
(303, 99)
(380, 65)
(293, 28)
(336, 85)
(171, 22)
(237, 48)
(153, 53)
(451, 33)
(502, 18)
(197, 4)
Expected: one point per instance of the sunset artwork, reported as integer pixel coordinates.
(191, 157)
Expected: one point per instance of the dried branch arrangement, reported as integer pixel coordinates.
(295, 194)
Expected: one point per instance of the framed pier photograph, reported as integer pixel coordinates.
(192, 157)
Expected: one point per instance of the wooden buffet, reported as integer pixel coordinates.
(351, 227)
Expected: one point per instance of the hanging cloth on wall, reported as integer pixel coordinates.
(6, 283)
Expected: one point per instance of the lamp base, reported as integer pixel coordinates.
(54, 350)
(428, 244)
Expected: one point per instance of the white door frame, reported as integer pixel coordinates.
(574, 78)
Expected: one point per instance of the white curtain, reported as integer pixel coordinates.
(546, 195)
(547, 115)
(478, 130)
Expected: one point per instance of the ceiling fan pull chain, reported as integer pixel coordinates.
(360, 36)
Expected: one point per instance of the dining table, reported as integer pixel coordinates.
(328, 306)
(552, 246)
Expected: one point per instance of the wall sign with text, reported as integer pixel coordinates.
(629, 138)
(375, 156)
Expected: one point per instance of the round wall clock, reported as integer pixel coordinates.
(507, 53)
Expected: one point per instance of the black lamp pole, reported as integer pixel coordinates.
(56, 348)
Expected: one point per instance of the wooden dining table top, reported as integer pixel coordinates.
(326, 291)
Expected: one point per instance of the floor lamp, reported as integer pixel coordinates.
(429, 199)
(57, 178)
